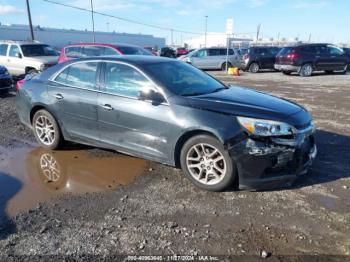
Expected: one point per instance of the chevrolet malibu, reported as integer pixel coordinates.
(170, 112)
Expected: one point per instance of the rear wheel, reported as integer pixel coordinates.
(207, 164)
(46, 130)
(224, 67)
(286, 72)
(254, 68)
(306, 70)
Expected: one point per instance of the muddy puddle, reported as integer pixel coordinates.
(29, 176)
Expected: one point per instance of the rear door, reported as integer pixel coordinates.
(73, 96)
(263, 56)
(136, 126)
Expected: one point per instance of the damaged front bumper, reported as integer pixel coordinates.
(273, 162)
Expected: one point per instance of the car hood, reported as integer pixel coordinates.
(240, 101)
(44, 59)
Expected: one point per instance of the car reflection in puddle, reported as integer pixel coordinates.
(47, 174)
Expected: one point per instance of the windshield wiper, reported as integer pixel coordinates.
(193, 94)
(218, 89)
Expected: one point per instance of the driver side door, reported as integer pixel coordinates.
(138, 127)
(14, 61)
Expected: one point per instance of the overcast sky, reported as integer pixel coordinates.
(326, 20)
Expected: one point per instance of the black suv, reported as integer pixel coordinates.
(259, 57)
(168, 52)
(307, 58)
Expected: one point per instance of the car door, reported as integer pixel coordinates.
(3, 54)
(200, 58)
(263, 57)
(323, 60)
(338, 59)
(214, 59)
(14, 62)
(73, 95)
(132, 125)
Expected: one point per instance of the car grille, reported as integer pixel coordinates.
(5, 82)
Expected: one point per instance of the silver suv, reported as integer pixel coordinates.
(21, 58)
(212, 58)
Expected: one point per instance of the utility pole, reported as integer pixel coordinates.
(206, 29)
(258, 32)
(172, 36)
(30, 21)
(310, 38)
(93, 22)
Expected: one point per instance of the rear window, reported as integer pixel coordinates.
(131, 50)
(3, 49)
(286, 51)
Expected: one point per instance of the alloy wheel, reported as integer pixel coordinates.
(206, 164)
(45, 130)
(307, 70)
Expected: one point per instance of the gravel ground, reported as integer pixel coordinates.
(161, 212)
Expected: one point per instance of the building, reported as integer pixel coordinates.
(217, 40)
(60, 37)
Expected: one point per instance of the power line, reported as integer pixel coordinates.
(123, 19)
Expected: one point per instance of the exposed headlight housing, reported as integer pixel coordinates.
(265, 128)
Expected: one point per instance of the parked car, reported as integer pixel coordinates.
(98, 49)
(259, 57)
(307, 58)
(151, 49)
(347, 51)
(180, 51)
(173, 113)
(21, 58)
(5, 80)
(168, 52)
(212, 58)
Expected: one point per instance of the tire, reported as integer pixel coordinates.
(306, 70)
(32, 71)
(254, 68)
(46, 130)
(286, 72)
(223, 66)
(206, 168)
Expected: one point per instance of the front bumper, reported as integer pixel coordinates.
(5, 83)
(265, 164)
(289, 68)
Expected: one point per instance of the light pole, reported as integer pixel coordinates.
(206, 28)
(93, 22)
(30, 21)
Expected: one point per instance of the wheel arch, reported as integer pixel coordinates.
(28, 68)
(185, 137)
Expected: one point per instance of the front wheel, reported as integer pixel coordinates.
(207, 164)
(46, 130)
(225, 67)
(306, 70)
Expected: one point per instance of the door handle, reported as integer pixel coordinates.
(58, 96)
(107, 107)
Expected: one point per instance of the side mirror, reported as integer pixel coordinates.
(19, 55)
(151, 95)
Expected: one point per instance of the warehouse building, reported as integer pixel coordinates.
(60, 37)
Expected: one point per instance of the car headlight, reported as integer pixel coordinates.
(262, 127)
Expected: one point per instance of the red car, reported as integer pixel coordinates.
(98, 49)
(181, 51)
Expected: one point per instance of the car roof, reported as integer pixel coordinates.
(103, 44)
(131, 59)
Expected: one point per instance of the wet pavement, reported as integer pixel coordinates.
(35, 175)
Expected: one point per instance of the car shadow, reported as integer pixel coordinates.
(332, 161)
(319, 74)
(9, 187)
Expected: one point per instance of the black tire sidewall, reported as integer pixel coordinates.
(230, 175)
(58, 136)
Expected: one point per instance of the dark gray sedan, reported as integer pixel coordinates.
(170, 112)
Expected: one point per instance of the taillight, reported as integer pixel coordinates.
(19, 84)
(293, 56)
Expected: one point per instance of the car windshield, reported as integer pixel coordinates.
(131, 50)
(37, 50)
(183, 79)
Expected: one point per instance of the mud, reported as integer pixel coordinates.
(45, 175)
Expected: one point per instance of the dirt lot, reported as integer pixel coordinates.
(139, 207)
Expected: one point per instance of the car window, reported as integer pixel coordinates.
(110, 51)
(214, 52)
(320, 50)
(3, 49)
(274, 51)
(93, 51)
(37, 50)
(124, 80)
(202, 53)
(14, 51)
(333, 50)
(133, 50)
(79, 75)
(73, 51)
